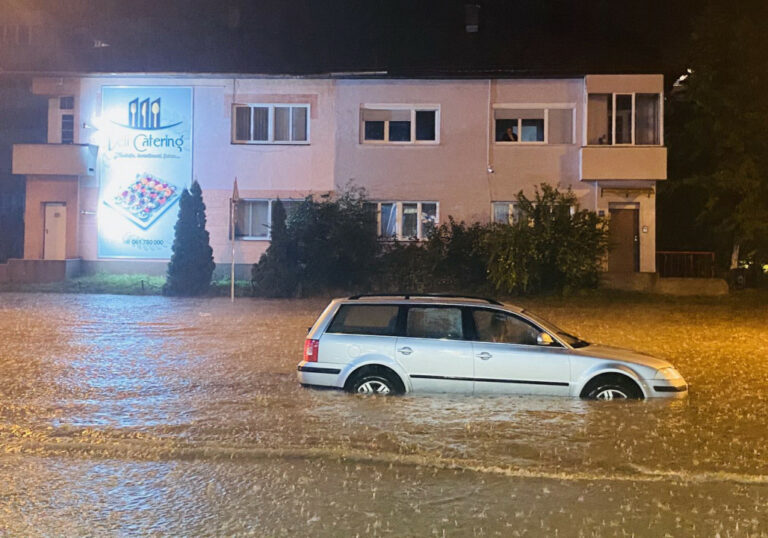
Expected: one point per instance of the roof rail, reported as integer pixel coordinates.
(437, 295)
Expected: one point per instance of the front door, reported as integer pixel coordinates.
(434, 351)
(55, 234)
(508, 359)
(624, 240)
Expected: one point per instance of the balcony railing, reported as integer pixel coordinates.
(686, 264)
(623, 162)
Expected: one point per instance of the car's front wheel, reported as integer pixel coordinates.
(375, 383)
(612, 387)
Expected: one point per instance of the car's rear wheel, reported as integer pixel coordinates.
(375, 382)
(612, 387)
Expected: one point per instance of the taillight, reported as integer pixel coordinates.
(311, 350)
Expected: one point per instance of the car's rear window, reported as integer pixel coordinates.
(377, 320)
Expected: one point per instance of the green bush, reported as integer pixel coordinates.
(554, 247)
(191, 265)
(328, 245)
(277, 272)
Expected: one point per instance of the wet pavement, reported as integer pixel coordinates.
(146, 415)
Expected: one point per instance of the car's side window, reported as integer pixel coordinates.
(434, 322)
(495, 326)
(377, 320)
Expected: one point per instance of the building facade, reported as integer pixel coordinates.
(104, 189)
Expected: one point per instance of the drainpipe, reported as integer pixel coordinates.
(489, 163)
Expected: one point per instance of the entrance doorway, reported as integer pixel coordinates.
(624, 239)
(55, 234)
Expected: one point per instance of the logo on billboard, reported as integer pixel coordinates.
(145, 115)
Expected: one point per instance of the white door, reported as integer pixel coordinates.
(508, 360)
(55, 237)
(433, 350)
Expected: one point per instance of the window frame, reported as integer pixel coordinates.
(270, 202)
(545, 107)
(270, 141)
(513, 210)
(399, 219)
(634, 119)
(413, 108)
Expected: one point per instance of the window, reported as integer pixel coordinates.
(67, 129)
(67, 103)
(624, 118)
(406, 220)
(377, 320)
(494, 326)
(434, 322)
(400, 124)
(647, 118)
(253, 218)
(270, 124)
(505, 212)
(533, 125)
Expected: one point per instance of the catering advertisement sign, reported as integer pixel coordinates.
(146, 161)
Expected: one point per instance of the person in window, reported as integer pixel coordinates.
(509, 135)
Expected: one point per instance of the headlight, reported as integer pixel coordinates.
(669, 373)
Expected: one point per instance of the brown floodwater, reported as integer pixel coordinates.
(147, 415)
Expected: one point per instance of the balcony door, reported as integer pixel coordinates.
(55, 235)
(624, 239)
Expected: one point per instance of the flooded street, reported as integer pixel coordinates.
(136, 415)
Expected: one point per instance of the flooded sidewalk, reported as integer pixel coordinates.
(136, 415)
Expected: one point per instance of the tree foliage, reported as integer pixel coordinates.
(554, 246)
(277, 273)
(328, 244)
(191, 266)
(717, 133)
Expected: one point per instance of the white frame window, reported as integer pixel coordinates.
(659, 121)
(397, 210)
(294, 111)
(512, 210)
(386, 113)
(532, 111)
(249, 203)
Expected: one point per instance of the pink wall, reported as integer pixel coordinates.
(42, 189)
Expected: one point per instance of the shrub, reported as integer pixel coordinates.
(554, 247)
(327, 245)
(277, 272)
(191, 265)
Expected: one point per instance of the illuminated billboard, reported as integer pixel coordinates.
(146, 161)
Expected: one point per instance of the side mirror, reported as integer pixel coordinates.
(544, 339)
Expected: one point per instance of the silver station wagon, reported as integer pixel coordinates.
(427, 343)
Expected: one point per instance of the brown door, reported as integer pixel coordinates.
(624, 241)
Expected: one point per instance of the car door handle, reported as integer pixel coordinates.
(405, 350)
(484, 355)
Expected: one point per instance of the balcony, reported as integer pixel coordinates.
(55, 159)
(623, 162)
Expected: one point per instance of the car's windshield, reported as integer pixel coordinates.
(568, 338)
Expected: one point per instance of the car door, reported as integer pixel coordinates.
(433, 349)
(508, 359)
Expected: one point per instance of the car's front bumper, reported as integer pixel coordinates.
(662, 388)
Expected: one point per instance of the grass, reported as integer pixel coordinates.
(106, 283)
(142, 284)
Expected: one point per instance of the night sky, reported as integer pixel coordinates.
(404, 38)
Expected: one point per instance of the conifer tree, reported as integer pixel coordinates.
(276, 274)
(191, 265)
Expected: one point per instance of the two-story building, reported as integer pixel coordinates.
(104, 190)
